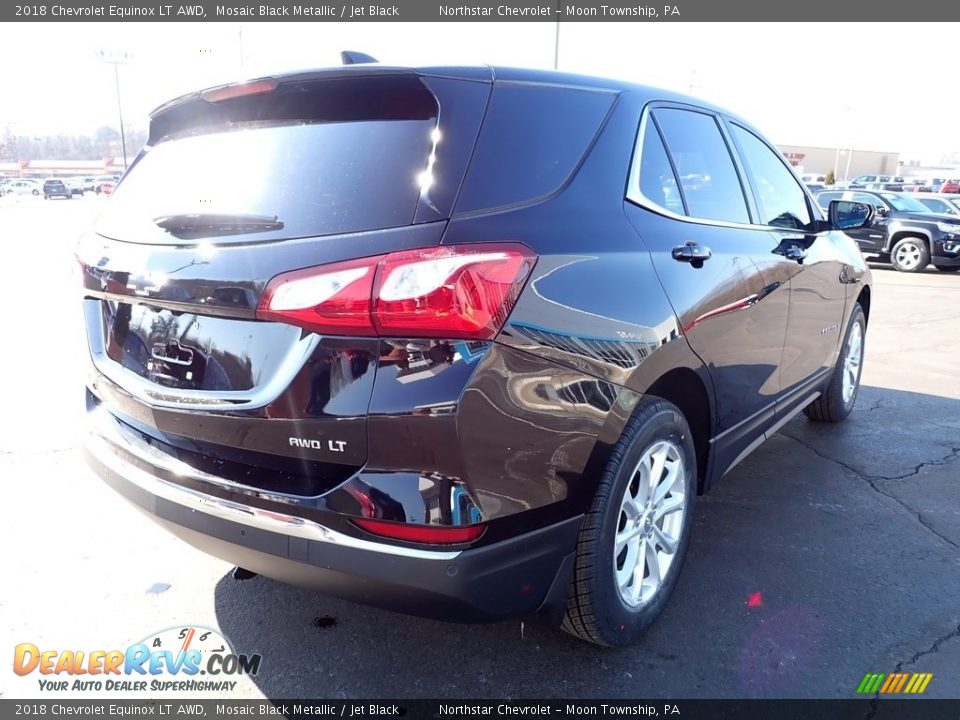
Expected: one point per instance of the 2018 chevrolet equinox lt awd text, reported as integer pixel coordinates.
(464, 342)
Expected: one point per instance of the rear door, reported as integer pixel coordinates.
(687, 195)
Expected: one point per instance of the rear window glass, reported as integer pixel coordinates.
(708, 178)
(532, 140)
(321, 160)
(657, 180)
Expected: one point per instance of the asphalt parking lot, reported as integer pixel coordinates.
(831, 552)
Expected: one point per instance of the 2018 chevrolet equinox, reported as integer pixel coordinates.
(464, 342)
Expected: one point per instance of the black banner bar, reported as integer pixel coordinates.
(172, 709)
(470, 11)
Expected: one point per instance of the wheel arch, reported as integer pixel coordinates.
(684, 388)
(904, 231)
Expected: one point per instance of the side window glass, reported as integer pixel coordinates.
(711, 186)
(657, 181)
(782, 202)
(869, 199)
(823, 199)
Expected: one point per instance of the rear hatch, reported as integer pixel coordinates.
(237, 185)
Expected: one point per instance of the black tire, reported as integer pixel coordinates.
(36, 192)
(830, 406)
(948, 268)
(595, 610)
(914, 247)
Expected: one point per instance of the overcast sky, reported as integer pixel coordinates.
(800, 83)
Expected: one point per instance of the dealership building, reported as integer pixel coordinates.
(61, 168)
(845, 162)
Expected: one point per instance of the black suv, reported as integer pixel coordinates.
(904, 231)
(472, 341)
(56, 188)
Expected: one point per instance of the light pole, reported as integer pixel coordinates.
(556, 45)
(117, 59)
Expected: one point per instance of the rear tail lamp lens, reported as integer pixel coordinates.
(445, 292)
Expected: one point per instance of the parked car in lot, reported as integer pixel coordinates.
(110, 180)
(878, 182)
(474, 343)
(22, 187)
(75, 185)
(941, 204)
(904, 231)
(921, 185)
(54, 187)
(951, 186)
(813, 179)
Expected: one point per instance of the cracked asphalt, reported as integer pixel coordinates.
(846, 538)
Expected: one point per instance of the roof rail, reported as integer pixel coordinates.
(349, 57)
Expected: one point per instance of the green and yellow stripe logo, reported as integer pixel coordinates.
(893, 683)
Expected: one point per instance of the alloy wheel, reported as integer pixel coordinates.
(650, 523)
(851, 362)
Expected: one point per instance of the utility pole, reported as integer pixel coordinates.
(846, 173)
(117, 59)
(240, 36)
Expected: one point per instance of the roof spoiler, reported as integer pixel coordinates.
(349, 57)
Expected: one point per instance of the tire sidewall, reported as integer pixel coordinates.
(620, 624)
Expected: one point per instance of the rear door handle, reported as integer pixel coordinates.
(691, 253)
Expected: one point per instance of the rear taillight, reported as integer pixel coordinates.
(228, 92)
(445, 292)
(331, 299)
(429, 534)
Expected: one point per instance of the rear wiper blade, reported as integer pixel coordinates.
(191, 226)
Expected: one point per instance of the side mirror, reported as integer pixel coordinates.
(882, 211)
(849, 215)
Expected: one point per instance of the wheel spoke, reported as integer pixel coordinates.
(653, 565)
(630, 509)
(656, 471)
(666, 542)
(643, 485)
(670, 505)
(638, 572)
(625, 536)
(668, 483)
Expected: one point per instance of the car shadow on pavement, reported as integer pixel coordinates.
(798, 556)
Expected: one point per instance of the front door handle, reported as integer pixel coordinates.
(795, 252)
(791, 251)
(692, 253)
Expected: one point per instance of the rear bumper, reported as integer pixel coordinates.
(521, 575)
